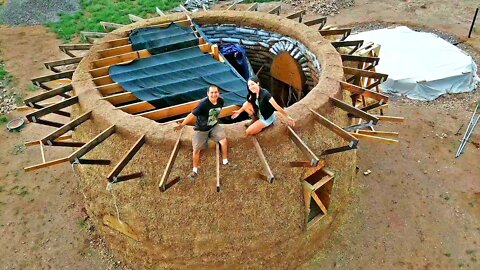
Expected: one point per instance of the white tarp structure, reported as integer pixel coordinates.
(420, 65)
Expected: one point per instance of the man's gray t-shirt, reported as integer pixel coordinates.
(207, 114)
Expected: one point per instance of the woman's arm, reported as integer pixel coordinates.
(277, 107)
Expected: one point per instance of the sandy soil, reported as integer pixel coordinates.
(419, 208)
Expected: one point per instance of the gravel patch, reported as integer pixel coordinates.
(7, 101)
(30, 12)
(322, 7)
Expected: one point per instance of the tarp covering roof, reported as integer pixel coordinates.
(421, 65)
(178, 76)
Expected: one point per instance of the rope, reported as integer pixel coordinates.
(114, 198)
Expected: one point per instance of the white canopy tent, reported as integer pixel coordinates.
(420, 65)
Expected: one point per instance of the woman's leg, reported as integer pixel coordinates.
(255, 128)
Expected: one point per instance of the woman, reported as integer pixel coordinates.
(266, 107)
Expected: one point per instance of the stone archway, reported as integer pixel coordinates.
(287, 79)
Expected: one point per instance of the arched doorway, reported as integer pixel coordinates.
(288, 79)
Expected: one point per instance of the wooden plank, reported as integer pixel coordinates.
(137, 107)
(34, 116)
(334, 128)
(359, 73)
(345, 32)
(45, 164)
(337, 150)
(110, 26)
(52, 77)
(87, 34)
(263, 160)
(127, 177)
(373, 61)
(217, 150)
(364, 92)
(232, 6)
(390, 118)
(104, 80)
(347, 44)
(49, 94)
(320, 20)
(68, 144)
(376, 132)
(253, 7)
(298, 14)
(48, 123)
(116, 50)
(112, 60)
(42, 152)
(84, 161)
(163, 181)
(31, 143)
(65, 128)
(67, 48)
(275, 10)
(110, 89)
(159, 12)
(356, 112)
(91, 144)
(302, 163)
(171, 111)
(119, 226)
(373, 138)
(116, 99)
(62, 113)
(319, 203)
(118, 42)
(70, 61)
(126, 158)
(135, 18)
(303, 147)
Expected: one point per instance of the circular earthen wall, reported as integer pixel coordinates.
(250, 222)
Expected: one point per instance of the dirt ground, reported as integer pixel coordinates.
(418, 209)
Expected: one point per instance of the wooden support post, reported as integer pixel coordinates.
(48, 140)
(373, 138)
(253, 7)
(390, 118)
(303, 147)
(380, 133)
(45, 164)
(266, 168)
(92, 35)
(159, 12)
(336, 129)
(39, 81)
(75, 157)
(53, 64)
(84, 161)
(48, 123)
(215, 52)
(135, 18)
(345, 32)
(356, 44)
(113, 175)
(298, 14)
(120, 98)
(162, 185)
(116, 59)
(232, 6)
(67, 48)
(373, 61)
(321, 21)
(275, 10)
(116, 50)
(34, 116)
(364, 92)
(49, 94)
(217, 151)
(31, 143)
(356, 112)
(68, 144)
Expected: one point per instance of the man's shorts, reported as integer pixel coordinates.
(200, 138)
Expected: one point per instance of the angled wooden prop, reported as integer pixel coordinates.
(52, 65)
(266, 168)
(46, 164)
(159, 12)
(275, 10)
(337, 130)
(135, 18)
(162, 185)
(113, 176)
(373, 61)
(320, 21)
(356, 44)
(51, 138)
(217, 154)
(77, 155)
(344, 32)
(373, 138)
(253, 7)
(354, 111)
(313, 159)
(35, 116)
(39, 81)
(67, 48)
(364, 92)
(295, 15)
(358, 74)
(59, 91)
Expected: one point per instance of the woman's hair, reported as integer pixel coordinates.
(254, 79)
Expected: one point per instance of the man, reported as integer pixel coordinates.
(206, 116)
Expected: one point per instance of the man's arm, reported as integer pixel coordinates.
(190, 119)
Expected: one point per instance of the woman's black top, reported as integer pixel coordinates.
(266, 109)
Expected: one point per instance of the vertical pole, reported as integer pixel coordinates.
(473, 23)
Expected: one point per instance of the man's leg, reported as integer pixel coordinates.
(196, 159)
(224, 145)
(218, 135)
(199, 142)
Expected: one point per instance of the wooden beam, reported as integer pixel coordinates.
(84, 161)
(31, 143)
(86, 34)
(68, 144)
(49, 94)
(232, 6)
(171, 111)
(116, 50)
(47, 78)
(34, 116)
(116, 99)
(110, 89)
(45, 164)
(334, 128)
(70, 61)
(108, 26)
(356, 44)
(137, 107)
(298, 14)
(376, 132)
(361, 73)
(364, 92)
(373, 138)
(67, 48)
(253, 7)
(217, 151)
(337, 150)
(91, 144)
(275, 10)
(47, 140)
(163, 181)
(127, 177)
(319, 203)
(263, 160)
(373, 61)
(159, 12)
(356, 112)
(99, 81)
(390, 118)
(303, 147)
(48, 123)
(118, 42)
(345, 32)
(320, 20)
(135, 18)
(113, 175)
(112, 60)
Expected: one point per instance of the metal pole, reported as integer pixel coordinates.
(473, 23)
(472, 120)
